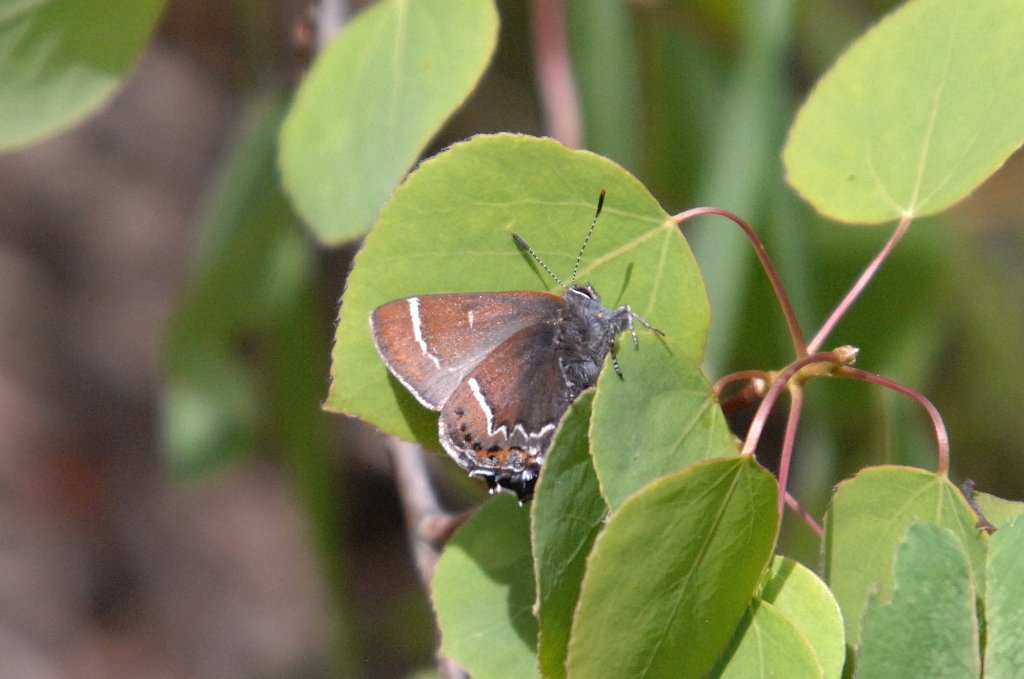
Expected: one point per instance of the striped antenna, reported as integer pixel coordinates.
(579, 258)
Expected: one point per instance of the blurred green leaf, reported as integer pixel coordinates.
(373, 99)
(805, 600)
(998, 511)
(252, 267)
(1004, 604)
(483, 593)
(927, 626)
(448, 229)
(869, 517)
(671, 575)
(917, 113)
(604, 64)
(567, 514)
(674, 420)
(767, 644)
(61, 60)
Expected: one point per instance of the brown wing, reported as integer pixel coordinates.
(431, 342)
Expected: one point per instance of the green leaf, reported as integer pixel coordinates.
(804, 599)
(448, 229)
(916, 114)
(767, 644)
(372, 101)
(568, 513)
(869, 517)
(997, 510)
(671, 575)
(483, 592)
(929, 628)
(61, 60)
(674, 420)
(1004, 603)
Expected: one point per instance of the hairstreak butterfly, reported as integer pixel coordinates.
(501, 367)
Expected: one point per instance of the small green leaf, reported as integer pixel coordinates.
(868, 519)
(672, 573)
(448, 229)
(767, 644)
(674, 419)
(929, 628)
(61, 60)
(483, 592)
(800, 595)
(568, 513)
(917, 113)
(997, 510)
(373, 100)
(1004, 603)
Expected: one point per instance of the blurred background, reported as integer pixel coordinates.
(172, 501)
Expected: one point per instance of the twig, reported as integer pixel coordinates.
(858, 287)
(428, 526)
(795, 333)
(941, 436)
(553, 67)
(330, 17)
(796, 403)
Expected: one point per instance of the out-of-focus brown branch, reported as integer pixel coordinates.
(553, 66)
(428, 526)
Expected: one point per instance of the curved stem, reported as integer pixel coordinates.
(796, 403)
(795, 333)
(858, 287)
(554, 72)
(781, 380)
(941, 435)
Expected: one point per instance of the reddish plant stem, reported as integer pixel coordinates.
(941, 435)
(796, 403)
(805, 515)
(795, 333)
(780, 383)
(553, 67)
(858, 287)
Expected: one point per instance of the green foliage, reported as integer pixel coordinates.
(870, 515)
(62, 60)
(1004, 603)
(647, 550)
(673, 571)
(373, 100)
(483, 592)
(918, 112)
(932, 586)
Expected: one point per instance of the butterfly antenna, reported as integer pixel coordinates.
(579, 258)
(526, 246)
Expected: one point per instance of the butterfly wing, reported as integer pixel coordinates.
(499, 420)
(431, 342)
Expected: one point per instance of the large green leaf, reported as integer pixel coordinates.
(483, 592)
(869, 517)
(448, 229)
(929, 627)
(919, 111)
(671, 575)
(568, 512)
(60, 60)
(1004, 604)
(373, 100)
(674, 420)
